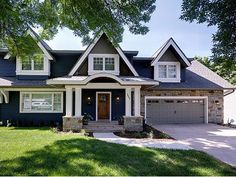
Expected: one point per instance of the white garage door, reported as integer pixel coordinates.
(174, 111)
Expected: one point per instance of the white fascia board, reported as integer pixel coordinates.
(7, 56)
(74, 82)
(177, 49)
(88, 50)
(45, 51)
(121, 53)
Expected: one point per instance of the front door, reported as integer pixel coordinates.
(103, 109)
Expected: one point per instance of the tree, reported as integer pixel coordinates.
(220, 13)
(82, 16)
(226, 68)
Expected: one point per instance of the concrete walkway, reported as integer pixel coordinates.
(218, 141)
(152, 143)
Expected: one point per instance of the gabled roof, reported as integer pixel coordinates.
(89, 49)
(42, 44)
(198, 76)
(161, 51)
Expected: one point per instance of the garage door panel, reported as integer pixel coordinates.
(175, 111)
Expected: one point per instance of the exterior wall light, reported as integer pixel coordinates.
(88, 100)
(117, 99)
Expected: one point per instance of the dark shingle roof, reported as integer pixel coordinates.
(14, 82)
(198, 76)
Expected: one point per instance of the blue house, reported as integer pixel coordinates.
(108, 82)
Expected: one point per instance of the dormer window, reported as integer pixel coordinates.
(31, 63)
(36, 64)
(167, 72)
(103, 63)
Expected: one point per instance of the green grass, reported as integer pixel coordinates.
(34, 151)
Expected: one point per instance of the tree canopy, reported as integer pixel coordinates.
(219, 13)
(83, 17)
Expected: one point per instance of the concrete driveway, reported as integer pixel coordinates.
(215, 140)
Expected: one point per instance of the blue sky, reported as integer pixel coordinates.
(194, 39)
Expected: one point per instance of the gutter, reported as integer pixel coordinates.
(229, 92)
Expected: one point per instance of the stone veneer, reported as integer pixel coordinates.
(133, 123)
(215, 100)
(72, 123)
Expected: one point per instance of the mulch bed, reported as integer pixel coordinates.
(148, 132)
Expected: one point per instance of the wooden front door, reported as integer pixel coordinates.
(103, 110)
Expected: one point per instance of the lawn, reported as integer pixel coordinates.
(38, 151)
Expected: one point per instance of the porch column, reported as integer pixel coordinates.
(137, 101)
(128, 101)
(69, 101)
(78, 100)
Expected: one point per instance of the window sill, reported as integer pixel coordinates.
(46, 112)
(35, 73)
(109, 72)
(166, 80)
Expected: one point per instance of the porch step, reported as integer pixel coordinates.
(103, 126)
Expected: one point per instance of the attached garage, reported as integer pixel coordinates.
(176, 110)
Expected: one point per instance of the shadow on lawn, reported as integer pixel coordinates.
(81, 156)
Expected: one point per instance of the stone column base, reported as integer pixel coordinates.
(72, 123)
(133, 123)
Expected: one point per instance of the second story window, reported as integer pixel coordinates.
(103, 63)
(167, 72)
(35, 62)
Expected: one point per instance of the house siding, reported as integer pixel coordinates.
(11, 111)
(7, 67)
(118, 108)
(215, 100)
(169, 56)
(63, 64)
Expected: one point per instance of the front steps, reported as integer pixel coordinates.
(103, 126)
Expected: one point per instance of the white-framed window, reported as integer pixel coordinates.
(36, 64)
(41, 102)
(103, 63)
(167, 71)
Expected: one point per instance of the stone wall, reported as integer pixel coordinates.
(74, 124)
(133, 123)
(215, 100)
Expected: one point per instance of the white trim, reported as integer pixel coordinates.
(41, 92)
(100, 86)
(78, 102)
(45, 71)
(178, 73)
(91, 70)
(36, 89)
(112, 76)
(7, 56)
(137, 101)
(88, 50)
(5, 95)
(1, 98)
(205, 98)
(97, 104)
(69, 102)
(45, 51)
(172, 43)
(128, 101)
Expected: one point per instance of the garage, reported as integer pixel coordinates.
(176, 110)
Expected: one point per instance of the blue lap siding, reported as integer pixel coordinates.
(11, 112)
(118, 108)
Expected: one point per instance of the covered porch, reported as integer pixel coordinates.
(105, 97)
